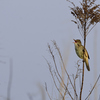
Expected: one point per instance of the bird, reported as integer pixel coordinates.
(79, 48)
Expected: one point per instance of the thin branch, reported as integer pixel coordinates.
(79, 27)
(58, 72)
(93, 87)
(82, 82)
(54, 79)
(91, 29)
(66, 89)
(64, 94)
(54, 61)
(76, 76)
(59, 80)
(47, 91)
(63, 98)
(64, 66)
(10, 80)
(71, 2)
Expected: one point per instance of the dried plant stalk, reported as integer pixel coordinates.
(92, 15)
(58, 75)
(86, 17)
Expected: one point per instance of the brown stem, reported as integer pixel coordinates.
(85, 22)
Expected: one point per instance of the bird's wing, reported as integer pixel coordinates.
(86, 53)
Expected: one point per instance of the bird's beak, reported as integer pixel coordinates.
(74, 40)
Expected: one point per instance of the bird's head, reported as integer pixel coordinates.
(77, 42)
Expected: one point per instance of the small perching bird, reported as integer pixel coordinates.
(79, 48)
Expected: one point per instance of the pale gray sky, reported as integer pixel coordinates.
(26, 26)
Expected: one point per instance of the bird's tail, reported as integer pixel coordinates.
(87, 65)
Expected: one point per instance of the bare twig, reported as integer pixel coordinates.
(10, 80)
(54, 79)
(58, 73)
(59, 81)
(76, 76)
(65, 89)
(71, 2)
(64, 66)
(47, 91)
(91, 28)
(93, 87)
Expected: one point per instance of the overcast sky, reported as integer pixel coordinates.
(26, 27)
